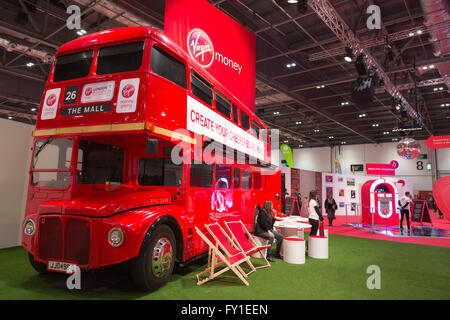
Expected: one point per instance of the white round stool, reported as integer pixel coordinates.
(294, 250)
(318, 247)
(260, 242)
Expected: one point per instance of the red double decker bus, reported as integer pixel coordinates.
(104, 187)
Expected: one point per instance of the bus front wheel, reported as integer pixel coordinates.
(154, 265)
(39, 267)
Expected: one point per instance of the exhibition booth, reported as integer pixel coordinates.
(155, 150)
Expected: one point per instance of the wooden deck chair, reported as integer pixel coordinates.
(227, 244)
(245, 240)
(216, 258)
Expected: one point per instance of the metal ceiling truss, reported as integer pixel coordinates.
(337, 25)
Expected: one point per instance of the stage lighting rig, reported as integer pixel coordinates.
(360, 65)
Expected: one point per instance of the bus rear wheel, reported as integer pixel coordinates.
(154, 265)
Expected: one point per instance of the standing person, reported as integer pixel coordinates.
(264, 229)
(404, 204)
(314, 212)
(330, 208)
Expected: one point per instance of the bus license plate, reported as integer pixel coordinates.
(61, 267)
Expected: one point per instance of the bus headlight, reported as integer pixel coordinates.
(115, 237)
(29, 227)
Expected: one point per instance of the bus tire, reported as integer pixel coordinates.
(39, 267)
(154, 265)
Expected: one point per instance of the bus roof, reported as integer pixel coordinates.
(118, 35)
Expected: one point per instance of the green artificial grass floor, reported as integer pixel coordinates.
(408, 271)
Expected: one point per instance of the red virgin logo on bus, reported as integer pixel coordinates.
(200, 47)
(88, 91)
(51, 99)
(128, 91)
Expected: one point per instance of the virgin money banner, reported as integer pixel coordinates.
(204, 121)
(218, 43)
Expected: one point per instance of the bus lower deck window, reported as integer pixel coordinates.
(101, 163)
(246, 180)
(159, 172)
(201, 175)
(223, 177)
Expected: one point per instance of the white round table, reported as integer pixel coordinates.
(290, 229)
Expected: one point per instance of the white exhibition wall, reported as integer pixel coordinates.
(344, 184)
(321, 159)
(15, 153)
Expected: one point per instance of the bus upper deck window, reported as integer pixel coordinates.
(245, 121)
(255, 128)
(73, 66)
(166, 66)
(201, 88)
(223, 104)
(120, 58)
(235, 114)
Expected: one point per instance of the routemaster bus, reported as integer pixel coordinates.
(104, 187)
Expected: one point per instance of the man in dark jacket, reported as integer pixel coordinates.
(264, 229)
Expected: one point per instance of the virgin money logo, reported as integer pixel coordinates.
(88, 91)
(200, 47)
(51, 99)
(128, 91)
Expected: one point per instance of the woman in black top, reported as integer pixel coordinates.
(264, 229)
(330, 208)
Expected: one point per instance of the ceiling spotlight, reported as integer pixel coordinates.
(375, 125)
(10, 117)
(394, 139)
(33, 109)
(316, 130)
(419, 31)
(411, 34)
(343, 142)
(286, 141)
(291, 65)
(331, 137)
(386, 132)
(344, 103)
(362, 115)
(292, 1)
(431, 66)
(298, 122)
(276, 113)
(30, 64)
(81, 32)
(300, 146)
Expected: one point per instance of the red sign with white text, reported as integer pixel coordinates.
(222, 46)
(382, 168)
(438, 142)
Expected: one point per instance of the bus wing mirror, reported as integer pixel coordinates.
(152, 146)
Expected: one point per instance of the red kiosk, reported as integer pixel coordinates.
(379, 197)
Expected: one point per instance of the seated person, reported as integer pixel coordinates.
(264, 229)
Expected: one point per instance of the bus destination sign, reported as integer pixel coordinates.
(79, 110)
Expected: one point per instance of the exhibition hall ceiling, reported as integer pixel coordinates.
(303, 83)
